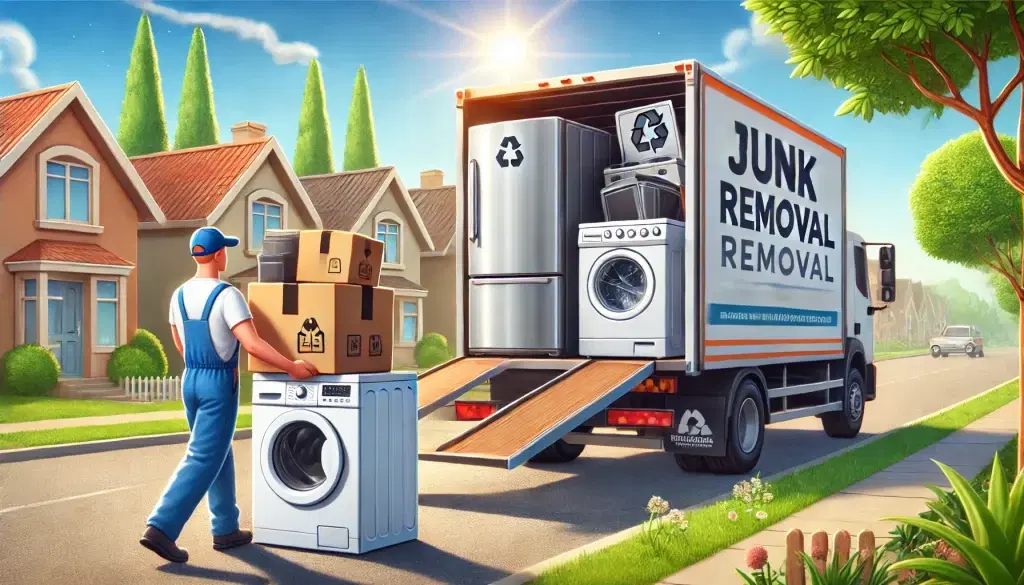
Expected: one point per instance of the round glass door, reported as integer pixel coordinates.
(302, 458)
(622, 284)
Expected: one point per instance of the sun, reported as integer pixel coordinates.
(507, 50)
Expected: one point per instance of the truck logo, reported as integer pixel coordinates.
(692, 423)
(652, 120)
(510, 143)
(310, 337)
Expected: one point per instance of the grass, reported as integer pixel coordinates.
(15, 409)
(631, 562)
(24, 439)
(888, 355)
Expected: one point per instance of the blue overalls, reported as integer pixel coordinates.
(209, 391)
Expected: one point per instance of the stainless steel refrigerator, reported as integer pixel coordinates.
(530, 184)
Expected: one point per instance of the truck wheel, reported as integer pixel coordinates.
(969, 350)
(845, 423)
(936, 351)
(981, 353)
(745, 433)
(560, 451)
(691, 463)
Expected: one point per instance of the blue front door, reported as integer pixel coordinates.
(65, 320)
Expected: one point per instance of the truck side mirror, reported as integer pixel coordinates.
(887, 270)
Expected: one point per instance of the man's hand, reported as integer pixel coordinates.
(302, 369)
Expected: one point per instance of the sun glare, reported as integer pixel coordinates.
(507, 49)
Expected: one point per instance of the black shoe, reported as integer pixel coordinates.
(236, 538)
(162, 545)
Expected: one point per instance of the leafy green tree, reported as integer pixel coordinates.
(197, 120)
(142, 128)
(1005, 297)
(313, 147)
(360, 139)
(905, 55)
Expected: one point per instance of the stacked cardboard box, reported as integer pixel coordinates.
(333, 315)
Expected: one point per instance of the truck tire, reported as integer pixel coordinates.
(936, 351)
(969, 350)
(845, 423)
(560, 451)
(691, 463)
(745, 432)
(981, 353)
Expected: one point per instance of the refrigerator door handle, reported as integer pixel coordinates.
(527, 280)
(474, 199)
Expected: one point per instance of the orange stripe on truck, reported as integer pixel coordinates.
(772, 354)
(721, 87)
(737, 342)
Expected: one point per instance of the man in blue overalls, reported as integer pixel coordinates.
(209, 319)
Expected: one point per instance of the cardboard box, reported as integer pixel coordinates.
(339, 328)
(338, 257)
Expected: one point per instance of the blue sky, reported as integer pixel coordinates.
(412, 85)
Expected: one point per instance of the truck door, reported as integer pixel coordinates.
(859, 301)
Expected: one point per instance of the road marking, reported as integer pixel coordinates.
(919, 376)
(67, 499)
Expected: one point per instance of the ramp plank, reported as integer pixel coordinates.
(537, 416)
(442, 383)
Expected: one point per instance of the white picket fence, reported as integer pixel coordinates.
(152, 389)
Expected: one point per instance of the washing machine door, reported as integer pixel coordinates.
(302, 457)
(621, 284)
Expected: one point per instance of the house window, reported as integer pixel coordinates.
(30, 300)
(388, 231)
(106, 313)
(67, 191)
(410, 321)
(265, 216)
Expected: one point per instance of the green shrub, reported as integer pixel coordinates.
(150, 344)
(29, 370)
(431, 350)
(128, 361)
(434, 339)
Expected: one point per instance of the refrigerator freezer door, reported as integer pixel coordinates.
(523, 314)
(517, 203)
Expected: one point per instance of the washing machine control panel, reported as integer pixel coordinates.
(337, 394)
(301, 394)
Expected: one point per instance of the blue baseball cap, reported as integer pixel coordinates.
(209, 240)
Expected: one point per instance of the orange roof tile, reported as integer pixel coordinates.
(19, 113)
(189, 184)
(437, 208)
(340, 198)
(61, 251)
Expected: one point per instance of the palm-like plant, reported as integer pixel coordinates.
(991, 542)
(849, 572)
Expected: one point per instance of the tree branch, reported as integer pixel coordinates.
(929, 56)
(1011, 85)
(1018, 33)
(956, 103)
(998, 268)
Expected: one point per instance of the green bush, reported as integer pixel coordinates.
(150, 344)
(29, 370)
(128, 361)
(431, 350)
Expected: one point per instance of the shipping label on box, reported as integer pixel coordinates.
(330, 256)
(339, 328)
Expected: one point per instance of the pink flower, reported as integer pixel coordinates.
(757, 556)
(733, 516)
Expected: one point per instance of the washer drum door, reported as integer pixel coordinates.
(621, 284)
(302, 458)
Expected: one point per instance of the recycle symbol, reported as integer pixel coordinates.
(693, 423)
(651, 119)
(509, 142)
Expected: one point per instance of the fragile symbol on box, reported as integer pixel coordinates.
(334, 266)
(355, 345)
(310, 337)
(365, 268)
(376, 346)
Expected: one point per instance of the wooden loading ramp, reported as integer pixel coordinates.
(514, 434)
(439, 386)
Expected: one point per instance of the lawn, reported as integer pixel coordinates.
(26, 439)
(888, 355)
(15, 409)
(631, 562)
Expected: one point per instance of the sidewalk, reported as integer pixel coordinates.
(897, 491)
(89, 421)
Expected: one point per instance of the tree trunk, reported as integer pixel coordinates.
(1020, 383)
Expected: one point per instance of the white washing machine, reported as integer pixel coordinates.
(631, 288)
(335, 461)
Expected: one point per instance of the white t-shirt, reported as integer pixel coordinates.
(229, 310)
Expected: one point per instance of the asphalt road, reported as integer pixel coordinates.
(76, 520)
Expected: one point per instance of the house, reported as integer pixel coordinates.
(436, 204)
(243, 187)
(374, 202)
(70, 202)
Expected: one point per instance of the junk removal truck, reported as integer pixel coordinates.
(650, 258)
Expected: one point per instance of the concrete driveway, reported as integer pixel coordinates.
(76, 520)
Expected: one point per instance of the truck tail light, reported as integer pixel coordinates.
(657, 385)
(621, 417)
(468, 411)
(977, 341)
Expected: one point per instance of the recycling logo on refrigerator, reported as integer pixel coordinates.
(509, 153)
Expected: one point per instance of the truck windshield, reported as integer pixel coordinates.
(957, 332)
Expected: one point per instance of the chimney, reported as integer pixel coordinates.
(246, 131)
(431, 179)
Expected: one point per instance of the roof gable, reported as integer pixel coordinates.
(437, 208)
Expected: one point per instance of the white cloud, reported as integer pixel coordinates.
(739, 42)
(243, 28)
(17, 53)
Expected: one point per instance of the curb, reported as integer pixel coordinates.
(532, 572)
(51, 451)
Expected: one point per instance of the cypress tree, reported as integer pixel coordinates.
(360, 140)
(142, 128)
(197, 119)
(313, 147)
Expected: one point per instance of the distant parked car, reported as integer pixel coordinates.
(958, 339)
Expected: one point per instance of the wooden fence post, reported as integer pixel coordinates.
(866, 548)
(795, 574)
(841, 546)
(819, 543)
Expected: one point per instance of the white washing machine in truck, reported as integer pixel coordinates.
(335, 461)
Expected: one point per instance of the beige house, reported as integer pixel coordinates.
(374, 202)
(436, 204)
(243, 187)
